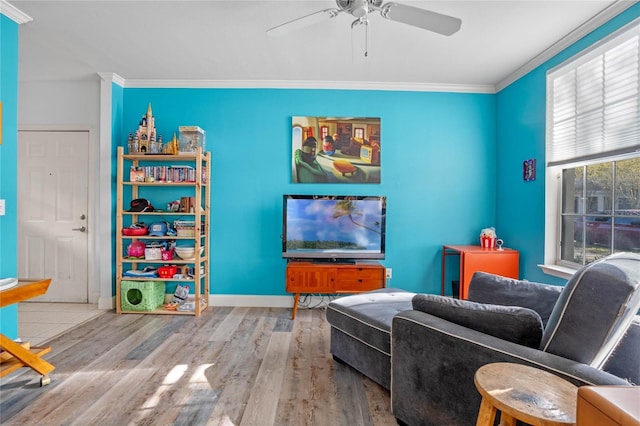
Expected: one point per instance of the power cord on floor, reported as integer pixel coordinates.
(315, 301)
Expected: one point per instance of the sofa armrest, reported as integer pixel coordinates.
(623, 362)
(433, 363)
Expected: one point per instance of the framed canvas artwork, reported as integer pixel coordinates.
(335, 150)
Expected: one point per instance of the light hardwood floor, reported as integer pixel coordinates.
(230, 366)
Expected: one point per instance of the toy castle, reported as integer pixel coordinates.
(144, 140)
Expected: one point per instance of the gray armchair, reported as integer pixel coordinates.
(572, 332)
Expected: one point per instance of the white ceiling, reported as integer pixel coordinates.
(226, 41)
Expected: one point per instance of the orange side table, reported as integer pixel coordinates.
(476, 258)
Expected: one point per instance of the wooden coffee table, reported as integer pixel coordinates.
(524, 393)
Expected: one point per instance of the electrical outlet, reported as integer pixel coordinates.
(2, 208)
(388, 272)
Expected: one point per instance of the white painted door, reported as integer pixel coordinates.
(52, 211)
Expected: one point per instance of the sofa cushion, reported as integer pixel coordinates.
(512, 323)
(594, 310)
(367, 316)
(498, 290)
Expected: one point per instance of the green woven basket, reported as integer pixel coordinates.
(141, 295)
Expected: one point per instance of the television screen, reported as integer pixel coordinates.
(333, 228)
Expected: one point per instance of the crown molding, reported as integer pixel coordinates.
(14, 13)
(112, 77)
(595, 22)
(299, 84)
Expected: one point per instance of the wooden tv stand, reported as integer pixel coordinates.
(332, 278)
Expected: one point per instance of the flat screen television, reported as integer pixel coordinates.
(334, 228)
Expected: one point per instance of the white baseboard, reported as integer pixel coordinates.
(107, 303)
(258, 301)
(250, 300)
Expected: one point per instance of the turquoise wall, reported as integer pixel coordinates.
(8, 168)
(438, 172)
(521, 136)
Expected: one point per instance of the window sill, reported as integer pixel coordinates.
(558, 271)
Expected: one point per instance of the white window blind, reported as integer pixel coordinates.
(593, 102)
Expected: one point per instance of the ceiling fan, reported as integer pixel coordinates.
(360, 9)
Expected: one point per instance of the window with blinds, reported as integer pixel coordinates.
(593, 151)
(593, 101)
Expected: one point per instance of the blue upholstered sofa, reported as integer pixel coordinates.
(426, 348)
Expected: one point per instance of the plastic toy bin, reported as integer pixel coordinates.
(141, 295)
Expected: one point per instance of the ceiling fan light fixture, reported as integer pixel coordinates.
(359, 9)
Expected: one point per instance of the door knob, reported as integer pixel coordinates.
(81, 229)
(83, 217)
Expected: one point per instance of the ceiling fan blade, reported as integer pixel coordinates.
(360, 40)
(303, 22)
(421, 18)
